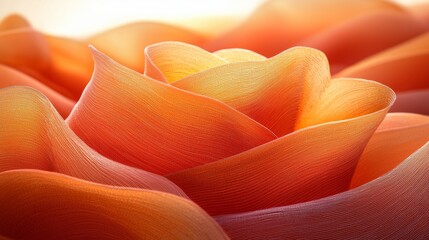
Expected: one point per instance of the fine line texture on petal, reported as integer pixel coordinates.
(34, 136)
(394, 206)
(43, 205)
(308, 164)
(145, 123)
(399, 135)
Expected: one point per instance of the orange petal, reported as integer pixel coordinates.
(412, 101)
(239, 55)
(272, 92)
(305, 165)
(404, 67)
(398, 136)
(33, 135)
(363, 36)
(394, 206)
(279, 24)
(71, 64)
(43, 205)
(144, 123)
(12, 77)
(13, 21)
(127, 43)
(171, 61)
(420, 11)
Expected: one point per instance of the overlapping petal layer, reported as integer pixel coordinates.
(42, 205)
(273, 92)
(394, 206)
(148, 124)
(33, 135)
(311, 163)
(130, 40)
(398, 136)
(412, 101)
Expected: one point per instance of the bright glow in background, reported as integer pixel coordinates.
(79, 18)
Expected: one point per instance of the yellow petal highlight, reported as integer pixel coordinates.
(145, 123)
(398, 137)
(33, 135)
(239, 55)
(43, 205)
(171, 61)
(272, 92)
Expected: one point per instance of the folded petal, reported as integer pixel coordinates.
(412, 101)
(42, 205)
(12, 77)
(394, 206)
(127, 43)
(272, 92)
(280, 24)
(308, 164)
(34, 136)
(171, 61)
(13, 21)
(362, 36)
(398, 137)
(403, 67)
(148, 124)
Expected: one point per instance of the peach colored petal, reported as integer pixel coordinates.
(127, 43)
(33, 135)
(363, 36)
(394, 206)
(398, 136)
(403, 67)
(421, 11)
(148, 124)
(43, 205)
(12, 77)
(239, 55)
(270, 91)
(71, 64)
(13, 21)
(412, 101)
(171, 61)
(308, 164)
(279, 24)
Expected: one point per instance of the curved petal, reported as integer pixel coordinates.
(13, 21)
(279, 24)
(144, 123)
(421, 11)
(171, 61)
(12, 77)
(394, 206)
(239, 55)
(127, 43)
(412, 101)
(33, 135)
(272, 92)
(363, 36)
(43, 205)
(71, 64)
(402, 68)
(398, 137)
(311, 163)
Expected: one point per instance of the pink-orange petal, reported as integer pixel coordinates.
(398, 136)
(43, 205)
(412, 101)
(34, 136)
(394, 206)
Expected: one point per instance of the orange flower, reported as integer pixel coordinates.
(221, 144)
